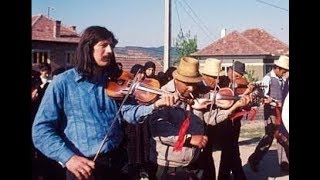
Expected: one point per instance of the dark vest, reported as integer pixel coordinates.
(275, 90)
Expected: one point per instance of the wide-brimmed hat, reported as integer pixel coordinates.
(212, 67)
(239, 67)
(282, 62)
(188, 70)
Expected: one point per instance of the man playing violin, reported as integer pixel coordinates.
(274, 82)
(168, 123)
(229, 130)
(76, 114)
(215, 116)
(177, 135)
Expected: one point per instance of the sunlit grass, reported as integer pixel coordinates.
(252, 132)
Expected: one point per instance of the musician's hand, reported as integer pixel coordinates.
(81, 167)
(201, 103)
(167, 99)
(200, 141)
(240, 103)
(272, 102)
(279, 104)
(267, 100)
(34, 94)
(243, 101)
(249, 89)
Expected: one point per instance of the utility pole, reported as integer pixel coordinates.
(167, 35)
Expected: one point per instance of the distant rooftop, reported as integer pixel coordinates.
(46, 29)
(250, 42)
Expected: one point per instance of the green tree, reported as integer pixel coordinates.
(250, 75)
(185, 45)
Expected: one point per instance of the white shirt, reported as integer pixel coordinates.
(285, 112)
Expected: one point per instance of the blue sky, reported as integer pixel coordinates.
(141, 22)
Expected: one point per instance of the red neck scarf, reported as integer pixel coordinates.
(182, 132)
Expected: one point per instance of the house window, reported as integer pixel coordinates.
(70, 57)
(224, 69)
(40, 56)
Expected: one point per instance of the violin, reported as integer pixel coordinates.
(119, 86)
(223, 98)
(144, 91)
(240, 85)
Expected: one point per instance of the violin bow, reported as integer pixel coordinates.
(215, 93)
(233, 81)
(131, 87)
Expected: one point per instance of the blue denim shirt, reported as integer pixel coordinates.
(75, 115)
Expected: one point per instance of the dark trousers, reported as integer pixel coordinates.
(107, 166)
(230, 153)
(137, 145)
(283, 139)
(264, 144)
(173, 173)
(45, 168)
(202, 169)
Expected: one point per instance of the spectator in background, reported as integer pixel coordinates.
(161, 77)
(150, 69)
(169, 72)
(165, 77)
(120, 66)
(45, 71)
(138, 70)
(38, 92)
(40, 82)
(42, 167)
(35, 84)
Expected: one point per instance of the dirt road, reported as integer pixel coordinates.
(268, 167)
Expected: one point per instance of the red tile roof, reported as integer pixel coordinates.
(250, 42)
(42, 30)
(266, 41)
(129, 61)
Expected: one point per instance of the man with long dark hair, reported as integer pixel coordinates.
(76, 113)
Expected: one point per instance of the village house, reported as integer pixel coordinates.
(55, 43)
(254, 47)
(52, 42)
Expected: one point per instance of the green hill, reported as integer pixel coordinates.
(156, 52)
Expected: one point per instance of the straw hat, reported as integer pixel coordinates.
(282, 62)
(187, 70)
(212, 67)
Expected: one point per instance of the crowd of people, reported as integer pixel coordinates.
(81, 131)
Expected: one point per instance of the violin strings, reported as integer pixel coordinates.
(114, 119)
(191, 95)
